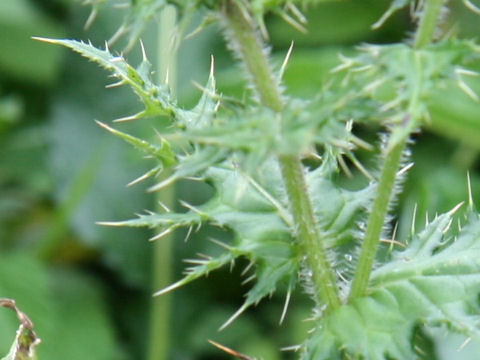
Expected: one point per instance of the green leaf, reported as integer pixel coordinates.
(162, 153)
(63, 304)
(409, 290)
(20, 58)
(157, 99)
(398, 78)
(254, 207)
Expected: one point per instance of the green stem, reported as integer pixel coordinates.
(161, 307)
(428, 23)
(243, 37)
(311, 243)
(245, 41)
(391, 164)
(376, 220)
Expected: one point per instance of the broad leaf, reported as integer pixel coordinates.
(434, 282)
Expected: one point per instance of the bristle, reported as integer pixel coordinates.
(248, 267)
(122, 30)
(233, 317)
(285, 61)
(472, 6)
(467, 90)
(291, 348)
(91, 18)
(230, 351)
(144, 54)
(189, 232)
(466, 342)
(469, 189)
(162, 234)
(285, 307)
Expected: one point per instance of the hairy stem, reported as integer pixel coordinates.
(428, 23)
(377, 219)
(310, 242)
(393, 156)
(245, 41)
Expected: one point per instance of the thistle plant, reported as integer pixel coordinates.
(272, 160)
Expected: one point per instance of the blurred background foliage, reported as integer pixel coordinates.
(88, 288)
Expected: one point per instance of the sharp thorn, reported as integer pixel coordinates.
(174, 286)
(233, 317)
(144, 54)
(162, 234)
(285, 61)
(230, 351)
(285, 308)
(455, 209)
(469, 187)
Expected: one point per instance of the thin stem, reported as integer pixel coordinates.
(428, 23)
(308, 236)
(161, 307)
(377, 220)
(393, 156)
(244, 39)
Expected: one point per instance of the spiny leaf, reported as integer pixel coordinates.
(337, 209)
(195, 272)
(435, 282)
(260, 132)
(193, 164)
(254, 207)
(202, 115)
(157, 99)
(163, 153)
(397, 77)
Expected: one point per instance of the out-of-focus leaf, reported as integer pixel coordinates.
(72, 132)
(63, 305)
(26, 281)
(455, 115)
(79, 303)
(23, 159)
(356, 19)
(11, 108)
(22, 58)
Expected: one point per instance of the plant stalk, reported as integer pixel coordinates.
(376, 219)
(161, 307)
(393, 156)
(428, 23)
(244, 39)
